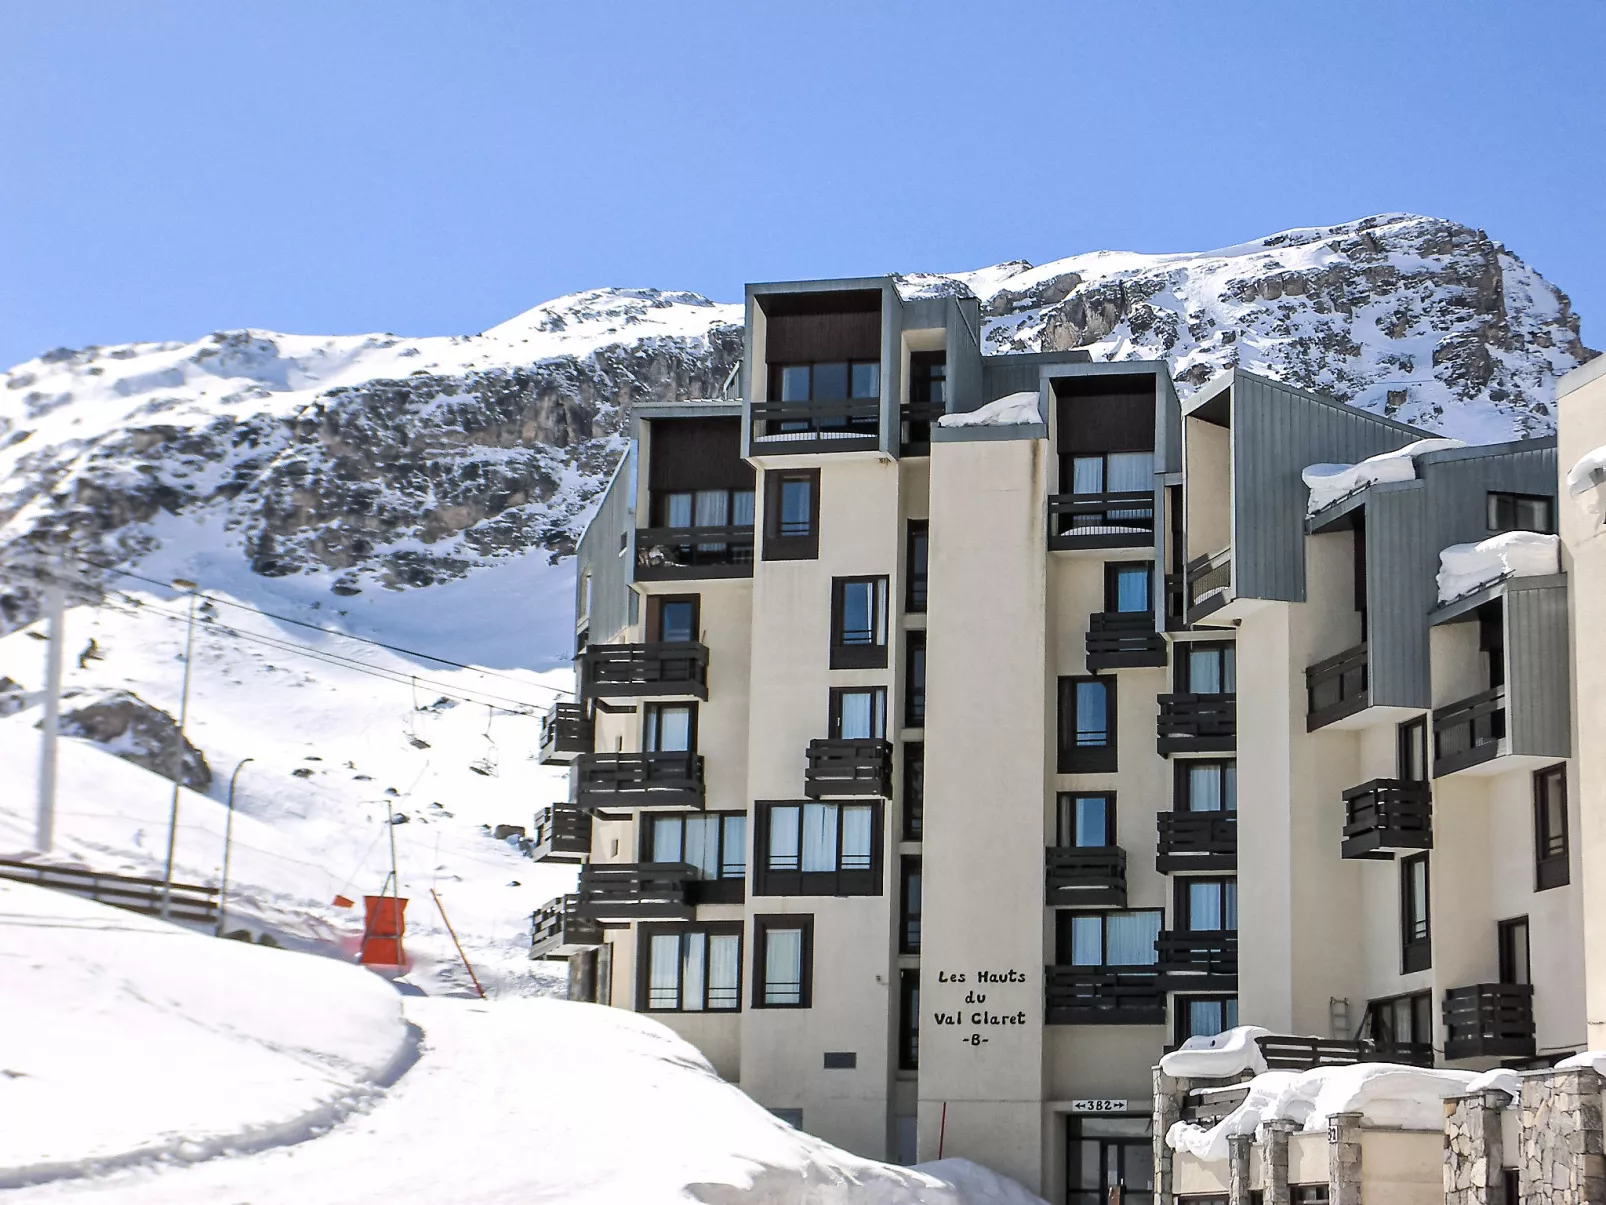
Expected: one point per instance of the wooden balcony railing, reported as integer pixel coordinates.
(565, 732)
(617, 893)
(1196, 723)
(1468, 732)
(562, 834)
(1336, 688)
(1196, 841)
(1090, 876)
(676, 553)
(644, 670)
(1113, 520)
(1387, 814)
(848, 767)
(1198, 959)
(638, 780)
(1284, 1053)
(1489, 1020)
(845, 425)
(557, 931)
(1103, 995)
(1209, 584)
(1123, 639)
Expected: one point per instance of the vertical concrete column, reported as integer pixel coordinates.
(1474, 1149)
(1344, 1159)
(1240, 1149)
(1562, 1161)
(1169, 1093)
(1274, 1162)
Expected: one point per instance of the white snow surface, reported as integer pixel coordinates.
(1329, 483)
(1385, 1094)
(126, 1038)
(1464, 568)
(1586, 484)
(1219, 1056)
(1595, 1060)
(1007, 411)
(1500, 1079)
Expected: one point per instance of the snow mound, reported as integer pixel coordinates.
(1008, 411)
(1584, 482)
(1385, 1094)
(128, 1039)
(1501, 1079)
(1220, 1056)
(1595, 1060)
(977, 1185)
(1464, 568)
(1330, 483)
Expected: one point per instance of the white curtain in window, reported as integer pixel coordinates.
(859, 715)
(702, 845)
(1087, 475)
(692, 971)
(1087, 945)
(724, 962)
(857, 831)
(1204, 907)
(733, 855)
(1229, 774)
(783, 852)
(1204, 671)
(1229, 905)
(663, 972)
(713, 508)
(669, 730)
(1130, 936)
(819, 837)
(1131, 472)
(783, 966)
(1204, 788)
(666, 843)
(1204, 1018)
(1229, 668)
(679, 510)
(742, 508)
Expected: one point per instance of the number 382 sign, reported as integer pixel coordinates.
(1098, 1106)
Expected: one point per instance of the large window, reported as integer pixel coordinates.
(784, 962)
(919, 549)
(908, 1019)
(828, 381)
(858, 713)
(914, 695)
(1207, 786)
(705, 508)
(714, 842)
(1207, 905)
(691, 968)
(819, 849)
(1085, 819)
(1207, 669)
(1126, 587)
(909, 906)
(1107, 939)
(791, 514)
(1550, 829)
(673, 618)
(1520, 512)
(858, 622)
(1086, 725)
(1400, 1023)
(1106, 1153)
(914, 790)
(1416, 944)
(1100, 473)
(669, 727)
(1204, 1016)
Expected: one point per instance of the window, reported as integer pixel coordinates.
(1086, 725)
(1207, 905)
(1207, 669)
(1515, 964)
(1115, 473)
(1107, 939)
(1126, 588)
(928, 384)
(1550, 829)
(858, 713)
(669, 728)
(1085, 819)
(1520, 512)
(1402, 1024)
(1204, 1016)
(784, 970)
(673, 618)
(914, 695)
(1413, 750)
(1308, 1194)
(818, 849)
(691, 969)
(704, 508)
(830, 381)
(1207, 786)
(792, 515)
(858, 622)
(714, 842)
(919, 546)
(1415, 936)
(914, 790)
(909, 907)
(908, 1019)
(1105, 1153)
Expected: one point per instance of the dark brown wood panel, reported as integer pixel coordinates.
(1106, 414)
(806, 338)
(698, 454)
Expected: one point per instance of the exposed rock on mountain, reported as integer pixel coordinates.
(137, 732)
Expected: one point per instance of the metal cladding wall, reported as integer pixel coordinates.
(599, 553)
(1276, 431)
(1537, 678)
(1401, 561)
(964, 354)
(1460, 479)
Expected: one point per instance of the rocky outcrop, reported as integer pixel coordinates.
(135, 731)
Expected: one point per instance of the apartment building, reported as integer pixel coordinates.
(956, 733)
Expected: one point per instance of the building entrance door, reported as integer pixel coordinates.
(1109, 1152)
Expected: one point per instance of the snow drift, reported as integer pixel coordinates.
(1220, 1056)
(1330, 483)
(1010, 410)
(1464, 568)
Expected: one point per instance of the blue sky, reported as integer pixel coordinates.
(167, 169)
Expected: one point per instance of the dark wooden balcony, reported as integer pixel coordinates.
(643, 670)
(1123, 640)
(562, 834)
(1118, 520)
(1196, 724)
(565, 733)
(1469, 732)
(845, 425)
(1385, 815)
(617, 893)
(1089, 875)
(1412, 1054)
(918, 419)
(1196, 841)
(687, 553)
(1209, 584)
(1336, 688)
(848, 767)
(1103, 995)
(1489, 1020)
(1198, 960)
(670, 781)
(1284, 1053)
(557, 931)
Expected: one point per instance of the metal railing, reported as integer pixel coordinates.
(845, 424)
(1111, 520)
(1469, 731)
(1208, 583)
(1336, 687)
(684, 552)
(186, 901)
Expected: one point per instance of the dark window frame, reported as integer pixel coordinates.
(916, 584)
(1183, 659)
(1182, 897)
(659, 505)
(1379, 1019)
(860, 654)
(833, 715)
(909, 918)
(1412, 737)
(1073, 756)
(1064, 808)
(1113, 572)
(649, 830)
(655, 615)
(1504, 932)
(913, 790)
(778, 369)
(914, 683)
(790, 547)
(1181, 1031)
(1498, 500)
(682, 928)
(1552, 849)
(763, 924)
(1064, 922)
(909, 1019)
(649, 713)
(838, 883)
(1416, 932)
(1182, 784)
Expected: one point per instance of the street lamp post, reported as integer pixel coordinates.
(178, 750)
(228, 836)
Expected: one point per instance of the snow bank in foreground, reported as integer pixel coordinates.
(1595, 1060)
(125, 1038)
(1221, 1056)
(1584, 482)
(1386, 1094)
(1330, 482)
(1464, 568)
(1007, 411)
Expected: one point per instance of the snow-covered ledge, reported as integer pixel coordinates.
(1467, 568)
(1012, 409)
(1330, 483)
(1586, 485)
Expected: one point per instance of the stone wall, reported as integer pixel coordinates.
(1561, 1161)
(1474, 1149)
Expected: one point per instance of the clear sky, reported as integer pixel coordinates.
(168, 169)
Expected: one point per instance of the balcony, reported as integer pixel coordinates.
(1119, 520)
(1385, 815)
(1196, 841)
(1091, 876)
(848, 767)
(1489, 1020)
(918, 418)
(847, 425)
(1208, 584)
(556, 931)
(562, 834)
(565, 733)
(1103, 995)
(1468, 733)
(687, 553)
(1123, 640)
(617, 893)
(1196, 724)
(665, 781)
(633, 671)
(1198, 960)
(1336, 688)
